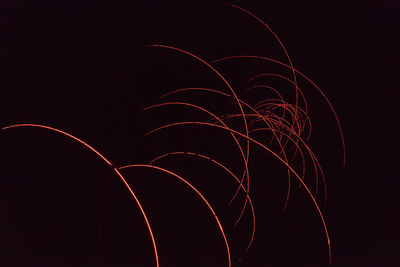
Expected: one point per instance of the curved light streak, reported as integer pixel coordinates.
(115, 169)
(197, 192)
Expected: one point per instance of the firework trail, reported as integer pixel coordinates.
(273, 125)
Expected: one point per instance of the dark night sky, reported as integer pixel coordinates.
(84, 70)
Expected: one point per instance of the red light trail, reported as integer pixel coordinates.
(286, 126)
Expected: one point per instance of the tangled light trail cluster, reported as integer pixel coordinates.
(285, 127)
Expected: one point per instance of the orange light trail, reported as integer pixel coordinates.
(109, 164)
(270, 151)
(197, 192)
(245, 158)
(261, 117)
(230, 173)
(285, 128)
(230, 88)
(309, 80)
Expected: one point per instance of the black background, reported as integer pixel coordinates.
(84, 69)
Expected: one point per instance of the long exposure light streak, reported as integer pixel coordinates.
(115, 169)
(197, 192)
(268, 150)
(228, 171)
(263, 115)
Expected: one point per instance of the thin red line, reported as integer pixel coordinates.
(227, 170)
(274, 154)
(281, 44)
(309, 80)
(230, 88)
(243, 114)
(245, 157)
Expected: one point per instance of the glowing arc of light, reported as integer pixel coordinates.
(197, 192)
(109, 164)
